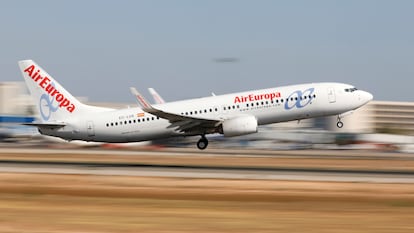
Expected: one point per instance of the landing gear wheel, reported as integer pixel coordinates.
(340, 124)
(202, 143)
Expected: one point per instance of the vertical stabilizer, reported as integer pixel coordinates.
(54, 103)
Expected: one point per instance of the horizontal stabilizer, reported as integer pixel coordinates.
(46, 125)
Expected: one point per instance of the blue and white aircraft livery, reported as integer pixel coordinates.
(62, 115)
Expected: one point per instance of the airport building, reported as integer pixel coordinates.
(15, 105)
(392, 117)
(377, 117)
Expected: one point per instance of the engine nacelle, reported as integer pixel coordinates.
(239, 126)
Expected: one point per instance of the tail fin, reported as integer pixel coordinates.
(55, 104)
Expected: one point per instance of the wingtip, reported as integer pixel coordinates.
(133, 90)
(140, 98)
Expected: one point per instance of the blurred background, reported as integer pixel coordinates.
(306, 176)
(187, 49)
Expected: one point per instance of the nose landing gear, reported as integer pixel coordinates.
(202, 143)
(339, 123)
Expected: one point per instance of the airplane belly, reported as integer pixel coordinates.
(274, 116)
(148, 134)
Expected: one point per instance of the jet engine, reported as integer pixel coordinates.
(239, 126)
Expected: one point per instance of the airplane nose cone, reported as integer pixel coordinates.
(366, 97)
(369, 96)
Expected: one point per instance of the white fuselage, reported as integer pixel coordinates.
(268, 106)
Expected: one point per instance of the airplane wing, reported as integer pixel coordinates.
(185, 124)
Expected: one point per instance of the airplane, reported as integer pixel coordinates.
(62, 115)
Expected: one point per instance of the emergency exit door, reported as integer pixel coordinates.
(90, 129)
(331, 95)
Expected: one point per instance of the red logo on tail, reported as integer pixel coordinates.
(45, 83)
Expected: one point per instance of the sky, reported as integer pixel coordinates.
(186, 48)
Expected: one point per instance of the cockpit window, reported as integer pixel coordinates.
(351, 89)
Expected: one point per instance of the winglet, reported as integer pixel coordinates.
(144, 103)
(157, 98)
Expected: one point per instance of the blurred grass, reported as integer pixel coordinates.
(77, 203)
(83, 214)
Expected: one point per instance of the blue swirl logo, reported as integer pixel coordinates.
(47, 106)
(299, 99)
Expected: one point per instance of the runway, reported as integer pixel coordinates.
(305, 165)
(207, 172)
(180, 152)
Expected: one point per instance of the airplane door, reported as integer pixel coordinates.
(331, 95)
(90, 129)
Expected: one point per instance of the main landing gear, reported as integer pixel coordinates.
(339, 123)
(202, 143)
